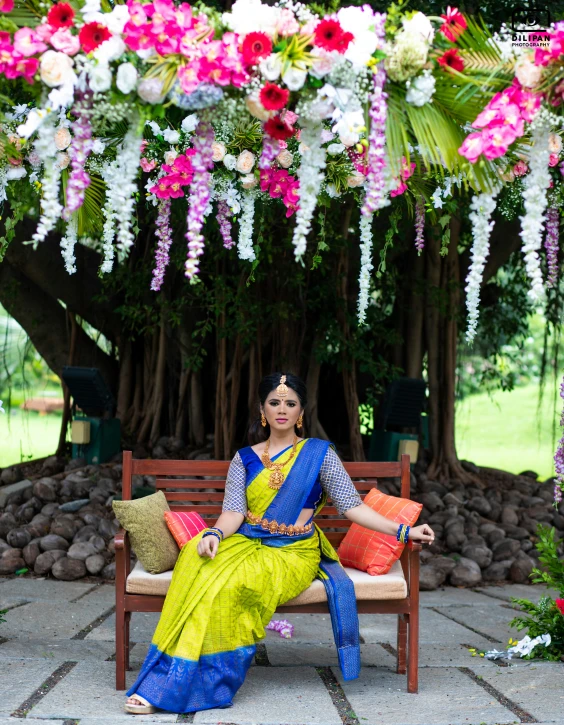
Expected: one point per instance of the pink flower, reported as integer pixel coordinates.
(6, 6)
(27, 42)
(529, 104)
(472, 147)
(147, 165)
(188, 77)
(553, 160)
(138, 37)
(287, 23)
(400, 189)
(560, 604)
(520, 168)
(45, 31)
(65, 41)
(497, 140)
(406, 169)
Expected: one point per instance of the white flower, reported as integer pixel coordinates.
(366, 265)
(245, 243)
(311, 177)
(294, 78)
(34, 119)
(349, 126)
(356, 180)
(110, 49)
(98, 146)
(68, 243)
(437, 198)
(126, 78)
(419, 24)
(420, 89)
(62, 138)
(219, 151)
(285, 158)
(331, 190)
(16, 172)
(63, 159)
(100, 77)
(155, 128)
(189, 124)
(150, 90)
(170, 157)
(255, 107)
(245, 162)
(63, 96)
(249, 181)
(229, 161)
(323, 62)
(528, 74)
(250, 15)
(56, 68)
(116, 20)
(51, 208)
(90, 10)
(360, 22)
(335, 148)
(271, 67)
(554, 143)
(171, 136)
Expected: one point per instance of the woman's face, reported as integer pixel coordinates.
(282, 413)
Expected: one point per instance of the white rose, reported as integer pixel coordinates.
(63, 160)
(15, 173)
(355, 180)
(245, 162)
(255, 107)
(218, 151)
(285, 158)
(100, 77)
(116, 20)
(150, 90)
(419, 24)
(170, 157)
(189, 123)
(554, 143)
(62, 97)
(98, 146)
(229, 161)
(110, 49)
(349, 126)
(126, 79)
(55, 68)
(171, 136)
(294, 78)
(335, 148)
(528, 74)
(360, 22)
(323, 62)
(249, 181)
(271, 67)
(62, 138)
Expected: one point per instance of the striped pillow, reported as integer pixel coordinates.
(184, 525)
(369, 550)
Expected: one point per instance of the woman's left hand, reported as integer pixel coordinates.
(423, 534)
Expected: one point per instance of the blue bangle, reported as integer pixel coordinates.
(219, 531)
(406, 537)
(212, 533)
(398, 535)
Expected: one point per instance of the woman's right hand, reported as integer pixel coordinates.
(208, 546)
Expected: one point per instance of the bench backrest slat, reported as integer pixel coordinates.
(199, 486)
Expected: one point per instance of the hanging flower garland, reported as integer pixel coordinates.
(202, 162)
(246, 221)
(535, 183)
(129, 156)
(50, 185)
(79, 151)
(559, 458)
(310, 175)
(366, 265)
(223, 212)
(551, 244)
(270, 149)
(482, 206)
(420, 224)
(68, 243)
(164, 235)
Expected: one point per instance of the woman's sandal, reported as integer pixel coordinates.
(145, 709)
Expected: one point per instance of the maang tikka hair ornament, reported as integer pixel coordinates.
(282, 389)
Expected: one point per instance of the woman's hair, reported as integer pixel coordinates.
(257, 433)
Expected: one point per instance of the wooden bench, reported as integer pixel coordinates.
(393, 593)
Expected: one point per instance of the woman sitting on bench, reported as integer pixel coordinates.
(264, 550)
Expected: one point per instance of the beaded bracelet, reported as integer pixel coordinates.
(219, 531)
(403, 534)
(212, 533)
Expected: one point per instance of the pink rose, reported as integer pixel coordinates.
(65, 41)
(27, 42)
(553, 160)
(520, 168)
(287, 23)
(45, 31)
(147, 165)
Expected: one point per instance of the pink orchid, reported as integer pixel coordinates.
(137, 14)
(400, 189)
(406, 169)
(472, 147)
(65, 41)
(147, 165)
(27, 42)
(486, 117)
(6, 6)
(188, 77)
(529, 105)
(497, 140)
(166, 41)
(138, 37)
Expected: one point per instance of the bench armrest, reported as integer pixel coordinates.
(123, 560)
(414, 546)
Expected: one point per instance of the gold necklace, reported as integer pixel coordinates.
(277, 477)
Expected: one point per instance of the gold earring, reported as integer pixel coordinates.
(300, 421)
(262, 420)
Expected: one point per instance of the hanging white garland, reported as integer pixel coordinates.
(366, 265)
(535, 183)
(51, 209)
(68, 243)
(311, 177)
(482, 207)
(245, 244)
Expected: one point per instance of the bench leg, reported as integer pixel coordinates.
(413, 652)
(122, 647)
(127, 642)
(402, 645)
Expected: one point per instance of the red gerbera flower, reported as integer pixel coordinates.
(255, 47)
(61, 15)
(92, 35)
(451, 59)
(455, 24)
(329, 35)
(273, 98)
(276, 128)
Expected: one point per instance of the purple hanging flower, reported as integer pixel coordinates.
(559, 459)
(551, 244)
(164, 235)
(376, 180)
(200, 190)
(270, 149)
(224, 223)
(79, 151)
(419, 224)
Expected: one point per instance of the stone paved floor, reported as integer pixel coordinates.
(57, 647)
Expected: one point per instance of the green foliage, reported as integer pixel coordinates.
(545, 617)
(2, 612)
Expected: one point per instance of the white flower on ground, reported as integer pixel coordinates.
(126, 78)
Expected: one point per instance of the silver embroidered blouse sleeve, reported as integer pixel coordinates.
(337, 483)
(235, 498)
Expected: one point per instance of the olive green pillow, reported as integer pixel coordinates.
(151, 540)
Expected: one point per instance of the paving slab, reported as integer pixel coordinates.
(49, 620)
(42, 588)
(452, 596)
(16, 720)
(446, 697)
(272, 695)
(105, 593)
(94, 682)
(75, 650)
(536, 687)
(20, 679)
(492, 620)
(521, 591)
(142, 627)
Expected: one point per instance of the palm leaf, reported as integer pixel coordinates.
(90, 217)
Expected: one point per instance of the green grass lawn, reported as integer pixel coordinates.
(507, 432)
(26, 435)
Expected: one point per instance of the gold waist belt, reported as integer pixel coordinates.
(275, 528)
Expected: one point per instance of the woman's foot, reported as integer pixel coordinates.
(137, 705)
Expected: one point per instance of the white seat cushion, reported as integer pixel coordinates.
(383, 586)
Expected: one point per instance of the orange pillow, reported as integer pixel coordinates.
(369, 550)
(184, 525)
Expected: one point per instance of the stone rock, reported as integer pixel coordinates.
(107, 484)
(466, 573)
(81, 551)
(111, 548)
(505, 549)
(495, 536)
(480, 504)
(72, 506)
(526, 545)
(159, 452)
(455, 537)
(444, 563)
(11, 560)
(529, 524)
(74, 463)
(497, 570)
(63, 527)
(4, 545)
(451, 500)
(98, 495)
(68, 569)
(18, 538)
(9, 475)
(530, 474)
(52, 541)
(50, 509)
(66, 493)
(98, 543)
(46, 489)
(45, 561)
(558, 521)
(515, 532)
(52, 465)
(430, 578)
(428, 486)
(90, 519)
(439, 517)
(109, 571)
(95, 563)
(78, 477)
(25, 512)
(509, 515)
(40, 525)
(432, 501)
(108, 528)
(7, 523)
(521, 568)
(84, 534)
(30, 553)
(470, 467)
(480, 554)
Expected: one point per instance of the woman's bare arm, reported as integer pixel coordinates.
(363, 515)
(229, 522)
